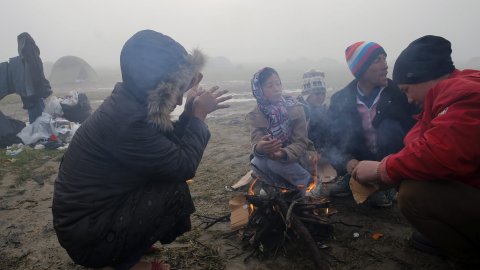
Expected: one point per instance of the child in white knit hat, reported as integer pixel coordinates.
(314, 88)
(313, 98)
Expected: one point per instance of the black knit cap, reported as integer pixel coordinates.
(425, 59)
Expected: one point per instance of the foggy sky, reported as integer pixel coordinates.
(244, 31)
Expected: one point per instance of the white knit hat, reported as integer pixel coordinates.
(313, 81)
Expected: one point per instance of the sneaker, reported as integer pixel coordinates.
(340, 188)
(379, 199)
(421, 243)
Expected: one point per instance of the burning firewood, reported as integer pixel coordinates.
(279, 216)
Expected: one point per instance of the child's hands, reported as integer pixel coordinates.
(267, 145)
(277, 155)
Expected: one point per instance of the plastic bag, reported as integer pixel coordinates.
(42, 128)
(53, 107)
(71, 99)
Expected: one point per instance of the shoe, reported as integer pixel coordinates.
(421, 243)
(338, 191)
(340, 188)
(380, 200)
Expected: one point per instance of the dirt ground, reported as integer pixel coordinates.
(28, 241)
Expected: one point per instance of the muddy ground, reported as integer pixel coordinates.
(28, 241)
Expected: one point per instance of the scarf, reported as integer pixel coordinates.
(277, 114)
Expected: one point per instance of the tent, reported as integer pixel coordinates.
(72, 70)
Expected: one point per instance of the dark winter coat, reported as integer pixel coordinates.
(24, 75)
(121, 185)
(347, 133)
(114, 153)
(318, 124)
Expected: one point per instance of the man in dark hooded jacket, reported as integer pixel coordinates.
(26, 76)
(121, 185)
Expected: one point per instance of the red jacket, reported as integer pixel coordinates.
(445, 142)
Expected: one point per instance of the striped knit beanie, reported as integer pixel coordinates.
(360, 56)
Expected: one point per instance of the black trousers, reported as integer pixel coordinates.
(154, 212)
(447, 213)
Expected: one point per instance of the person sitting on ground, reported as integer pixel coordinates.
(121, 184)
(438, 170)
(312, 98)
(281, 148)
(370, 117)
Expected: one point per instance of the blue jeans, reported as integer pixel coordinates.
(281, 174)
(36, 110)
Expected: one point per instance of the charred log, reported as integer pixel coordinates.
(281, 216)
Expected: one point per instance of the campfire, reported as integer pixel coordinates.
(277, 216)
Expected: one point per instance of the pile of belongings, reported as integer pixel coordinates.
(48, 132)
(75, 107)
(54, 129)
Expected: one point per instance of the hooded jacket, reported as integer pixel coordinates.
(130, 141)
(444, 144)
(23, 74)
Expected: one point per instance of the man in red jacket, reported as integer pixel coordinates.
(438, 170)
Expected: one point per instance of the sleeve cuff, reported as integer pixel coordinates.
(255, 151)
(384, 177)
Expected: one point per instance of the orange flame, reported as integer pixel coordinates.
(250, 189)
(313, 160)
(250, 192)
(312, 184)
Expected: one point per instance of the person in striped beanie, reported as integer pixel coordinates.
(370, 117)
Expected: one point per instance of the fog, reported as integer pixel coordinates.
(243, 31)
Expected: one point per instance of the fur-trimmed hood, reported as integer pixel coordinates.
(157, 70)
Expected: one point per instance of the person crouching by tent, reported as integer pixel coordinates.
(438, 171)
(121, 184)
(278, 129)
